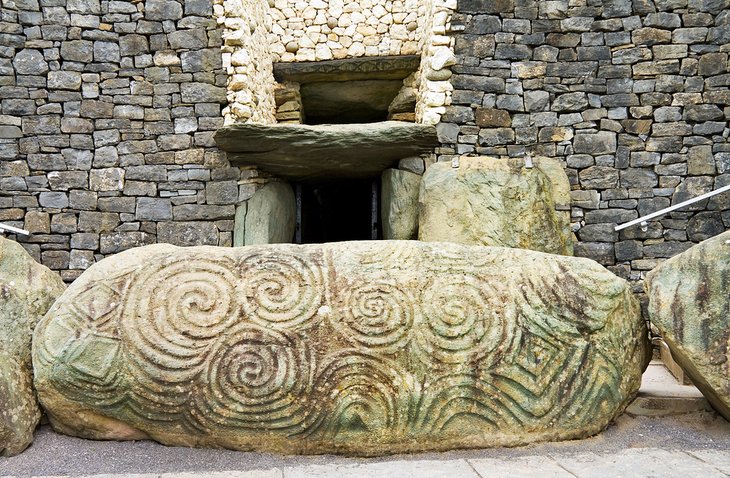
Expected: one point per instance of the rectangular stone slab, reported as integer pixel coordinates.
(359, 348)
(306, 152)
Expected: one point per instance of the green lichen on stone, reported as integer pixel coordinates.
(359, 347)
(497, 202)
(27, 290)
(689, 303)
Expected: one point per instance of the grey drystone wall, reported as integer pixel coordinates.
(632, 95)
(107, 111)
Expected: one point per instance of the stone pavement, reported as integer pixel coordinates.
(695, 444)
(636, 462)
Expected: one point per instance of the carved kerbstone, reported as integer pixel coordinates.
(361, 348)
(689, 302)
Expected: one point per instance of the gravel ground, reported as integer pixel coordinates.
(54, 454)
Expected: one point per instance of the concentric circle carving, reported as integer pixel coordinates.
(280, 290)
(463, 323)
(377, 315)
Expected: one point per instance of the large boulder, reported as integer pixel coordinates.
(689, 303)
(27, 290)
(497, 202)
(358, 347)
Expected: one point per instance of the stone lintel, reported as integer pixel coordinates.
(310, 152)
(365, 68)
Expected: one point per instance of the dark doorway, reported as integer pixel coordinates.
(338, 210)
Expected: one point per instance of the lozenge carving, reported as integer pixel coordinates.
(360, 348)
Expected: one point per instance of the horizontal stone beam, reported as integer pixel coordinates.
(305, 152)
(364, 68)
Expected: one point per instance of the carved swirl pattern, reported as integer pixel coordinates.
(462, 325)
(261, 349)
(362, 393)
(174, 311)
(256, 378)
(377, 315)
(278, 290)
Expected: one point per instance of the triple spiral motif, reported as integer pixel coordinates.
(293, 343)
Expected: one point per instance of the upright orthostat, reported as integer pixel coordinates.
(361, 348)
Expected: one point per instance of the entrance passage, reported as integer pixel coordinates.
(338, 210)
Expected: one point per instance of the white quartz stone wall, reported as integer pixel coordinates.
(335, 29)
(258, 33)
(437, 57)
(248, 60)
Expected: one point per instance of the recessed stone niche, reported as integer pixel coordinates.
(378, 73)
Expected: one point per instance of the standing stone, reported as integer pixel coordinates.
(497, 202)
(399, 206)
(359, 347)
(267, 218)
(689, 302)
(27, 291)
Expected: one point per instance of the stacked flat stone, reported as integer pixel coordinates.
(633, 96)
(107, 115)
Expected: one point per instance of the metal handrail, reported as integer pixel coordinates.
(5, 227)
(666, 210)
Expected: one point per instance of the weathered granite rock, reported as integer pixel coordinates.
(27, 290)
(689, 302)
(267, 218)
(357, 347)
(299, 152)
(497, 202)
(399, 204)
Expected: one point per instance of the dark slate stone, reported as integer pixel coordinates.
(480, 83)
(483, 24)
(163, 10)
(344, 150)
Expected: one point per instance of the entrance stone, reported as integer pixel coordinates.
(27, 290)
(267, 218)
(364, 348)
(689, 303)
(497, 202)
(399, 208)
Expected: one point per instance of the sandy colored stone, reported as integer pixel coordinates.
(27, 290)
(359, 348)
(497, 202)
(267, 218)
(689, 302)
(399, 208)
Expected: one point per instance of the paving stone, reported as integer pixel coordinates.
(519, 467)
(638, 461)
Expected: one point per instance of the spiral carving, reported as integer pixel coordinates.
(280, 290)
(173, 312)
(462, 324)
(258, 378)
(362, 393)
(378, 315)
